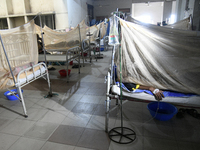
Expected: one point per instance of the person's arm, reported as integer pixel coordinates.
(158, 94)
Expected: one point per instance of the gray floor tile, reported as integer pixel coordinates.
(159, 131)
(98, 123)
(7, 140)
(137, 144)
(196, 146)
(185, 145)
(97, 92)
(65, 134)
(56, 146)
(27, 143)
(34, 114)
(94, 139)
(53, 117)
(4, 121)
(135, 126)
(76, 119)
(90, 99)
(75, 97)
(11, 112)
(82, 148)
(18, 127)
(159, 143)
(87, 108)
(41, 130)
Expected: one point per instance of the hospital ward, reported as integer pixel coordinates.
(99, 75)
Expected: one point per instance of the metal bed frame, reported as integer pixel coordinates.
(35, 77)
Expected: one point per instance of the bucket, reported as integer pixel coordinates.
(71, 63)
(63, 72)
(84, 54)
(165, 112)
(102, 48)
(10, 96)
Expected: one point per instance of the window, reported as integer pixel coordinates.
(48, 20)
(3, 24)
(187, 5)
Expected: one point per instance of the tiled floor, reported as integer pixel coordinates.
(75, 119)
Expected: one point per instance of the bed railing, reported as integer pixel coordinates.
(42, 73)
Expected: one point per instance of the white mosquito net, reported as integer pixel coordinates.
(102, 28)
(94, 31)
(21, 47)
(161, 57)
(54, 40)
(185, 24)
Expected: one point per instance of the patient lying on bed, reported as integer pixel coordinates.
(158, 94)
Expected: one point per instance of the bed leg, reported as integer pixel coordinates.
(19, 91)
(107, 114)
(50, 94)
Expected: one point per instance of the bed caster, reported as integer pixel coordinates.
(26, 116)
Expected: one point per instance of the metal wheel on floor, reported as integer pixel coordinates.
(122, 135)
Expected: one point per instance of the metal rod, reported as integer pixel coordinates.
(100, 42)
(81, 49)
(43, 40)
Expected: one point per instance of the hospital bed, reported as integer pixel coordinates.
(19, 60)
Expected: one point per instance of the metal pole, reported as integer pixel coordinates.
(81, 49)
(43, 41)
(100, 42)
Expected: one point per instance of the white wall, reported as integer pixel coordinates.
(3, 9)
(61, 14)
(9, 6)
(142, 10)
(18, 6)
(69, 13)
(167, 10)
(41, 6)
(77, 11)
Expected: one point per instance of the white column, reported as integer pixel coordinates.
(61, 14)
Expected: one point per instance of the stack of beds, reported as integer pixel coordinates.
(19, 59)
(165, 58)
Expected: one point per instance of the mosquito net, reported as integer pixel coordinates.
(161, 57)
(185, 24)
(102, 28)
(94, 32)
(21, 47)
(62, 40)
